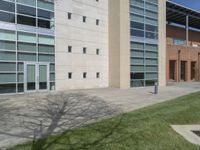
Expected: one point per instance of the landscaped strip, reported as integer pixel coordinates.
(144, 129)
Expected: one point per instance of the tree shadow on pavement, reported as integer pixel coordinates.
(66, 117)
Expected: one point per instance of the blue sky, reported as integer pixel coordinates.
(194, 4)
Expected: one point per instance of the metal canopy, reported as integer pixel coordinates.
(177, 13)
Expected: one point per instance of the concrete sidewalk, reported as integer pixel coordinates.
(117, 100)
(135, 98)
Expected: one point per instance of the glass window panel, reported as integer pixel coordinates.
(43, 73)
(137, 75)
(46, 58)
(52, 77)
(152, 61)
(7, 35)
(20, 87)
(151, 82)
(42, 77)
(26, 47)
(46, 14)
(5, 66)
(26, 37)
(153, 1)
(177, 41)
(20, 67)
(52, 86)
(151, 14)
(151, 28)
(137, 18)
(49, 5)
(43, 39)
(46, 48)
(135, 45)
(137, 53)
(7, 88)
(137, 10)
(26, 20)
(137, 68)
(137, 25)
(151, 68)
(26, 10)
(137, 33)
(26, 57)
(151, 75)
(7, 77)
(151, 54)
(137, 83)
(151, 6)
(52, 67)
(27, 2)
(151, 35)
(44, 23)
(137, 3)
(151, 47)
(7, 17)
(7, 6)
(137, 61)
(151, 21)
(31, 74)
(8, 56)
(7, 45)
(20, 78)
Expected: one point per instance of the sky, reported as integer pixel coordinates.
(194, 4)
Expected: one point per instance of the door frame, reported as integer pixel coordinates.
(37, 65)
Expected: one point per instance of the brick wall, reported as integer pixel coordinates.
(187, 54)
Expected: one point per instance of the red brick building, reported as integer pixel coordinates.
(183, 44)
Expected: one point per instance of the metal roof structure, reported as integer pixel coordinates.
(177, 13)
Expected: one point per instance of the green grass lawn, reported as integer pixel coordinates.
(144, 129)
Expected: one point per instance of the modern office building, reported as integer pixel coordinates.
(75, 44)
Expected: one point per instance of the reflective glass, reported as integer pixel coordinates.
(27, 2)
(48, 5)
(7, 35)
(7, 77)
(7, 45)
(26, 47)
(8, 56)
(26, 37)
(46, 48)
(26, 20)
(7, 6)
(26, 57)
(26, 10)
(7, 88)
(5, 66)
(7, 17)
(43, 39)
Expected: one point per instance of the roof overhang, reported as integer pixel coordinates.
(177, 13)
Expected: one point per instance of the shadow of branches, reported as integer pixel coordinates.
(59, 116)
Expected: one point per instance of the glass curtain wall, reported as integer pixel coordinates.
(144, 42)
(18, 47)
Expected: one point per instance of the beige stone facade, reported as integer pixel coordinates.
(111, 37)
(119, 44)
(162, 43)
(79, 35)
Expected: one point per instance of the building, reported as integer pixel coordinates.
(183, 43)
(75, 44)
(27, 45)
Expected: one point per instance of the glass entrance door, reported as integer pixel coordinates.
(31, 77)
(36, 76)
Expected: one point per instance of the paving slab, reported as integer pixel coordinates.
(22, 114)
